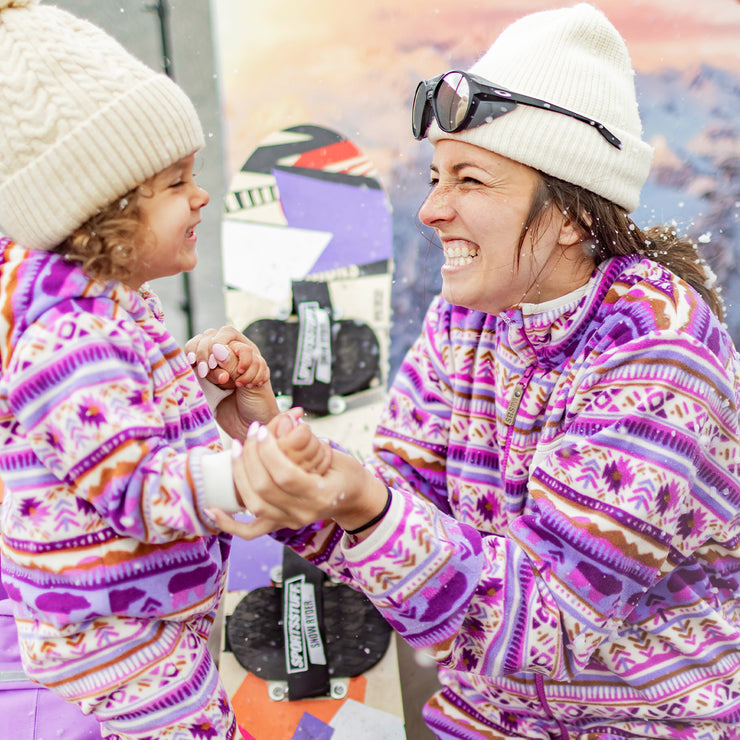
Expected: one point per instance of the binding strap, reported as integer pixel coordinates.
(313, 358)
(303, 628)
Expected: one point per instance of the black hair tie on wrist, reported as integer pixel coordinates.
(375, 519)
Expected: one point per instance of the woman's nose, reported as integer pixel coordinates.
(436, 207)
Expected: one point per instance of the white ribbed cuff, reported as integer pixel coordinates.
(218, 482)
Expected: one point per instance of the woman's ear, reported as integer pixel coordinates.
(571, 231)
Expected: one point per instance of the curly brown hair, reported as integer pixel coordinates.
(106, 245)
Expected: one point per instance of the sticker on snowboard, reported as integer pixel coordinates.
(306, 632)
(316, 358)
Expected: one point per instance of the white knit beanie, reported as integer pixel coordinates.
(82, 122)
(574, 58)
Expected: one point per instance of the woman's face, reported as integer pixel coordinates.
(478, 205)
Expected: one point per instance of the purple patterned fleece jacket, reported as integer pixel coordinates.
(564, 536)
(104, 435)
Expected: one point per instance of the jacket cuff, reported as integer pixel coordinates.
(218, 482)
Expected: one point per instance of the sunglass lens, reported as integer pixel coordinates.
(420, 111)
(452, 102)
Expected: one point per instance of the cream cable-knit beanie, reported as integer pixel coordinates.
(82, 122)
(574, 58)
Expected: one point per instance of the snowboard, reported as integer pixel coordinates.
(307, 261)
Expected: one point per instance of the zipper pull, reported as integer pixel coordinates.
(516, 398)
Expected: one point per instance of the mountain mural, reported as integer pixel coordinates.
(693, 120)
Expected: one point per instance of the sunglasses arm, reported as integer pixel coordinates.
(535, 103)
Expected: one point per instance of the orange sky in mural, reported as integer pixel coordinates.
(353, 65)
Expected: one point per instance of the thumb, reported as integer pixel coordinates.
(226, 359)
(284, 423)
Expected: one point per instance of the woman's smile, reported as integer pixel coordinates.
(459, 253)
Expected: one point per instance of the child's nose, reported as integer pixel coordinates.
(200, 198)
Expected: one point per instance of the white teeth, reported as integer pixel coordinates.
(460, 255)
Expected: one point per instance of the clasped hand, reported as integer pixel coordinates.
(284, 475)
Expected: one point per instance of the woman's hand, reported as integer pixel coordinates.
(281, 495)
(226, 358)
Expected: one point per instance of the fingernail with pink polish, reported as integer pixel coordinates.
(220, 352)
(236, 448)
(202, 369)
(212, 362)
(190, 357)
(253, 429)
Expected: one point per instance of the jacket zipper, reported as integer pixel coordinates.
(516, 398)
(511, 412)
(509, 419)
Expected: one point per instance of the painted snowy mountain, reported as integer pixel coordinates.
(693, 120)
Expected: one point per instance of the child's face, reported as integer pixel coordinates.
(170, 206)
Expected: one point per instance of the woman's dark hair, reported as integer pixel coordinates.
(105, 245)
(610, 232)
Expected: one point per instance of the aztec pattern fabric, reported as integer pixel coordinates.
(106, 555)
(573, 562)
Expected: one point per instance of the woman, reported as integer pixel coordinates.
(561, 521)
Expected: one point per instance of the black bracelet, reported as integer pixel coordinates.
(375, 519)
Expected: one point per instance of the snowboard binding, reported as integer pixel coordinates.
(306, 635)
(316, 359)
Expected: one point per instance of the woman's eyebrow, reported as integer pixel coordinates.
(456, 167)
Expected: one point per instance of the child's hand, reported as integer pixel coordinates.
(231, 361)
(298, 442)
(227, 358)
(281, 494)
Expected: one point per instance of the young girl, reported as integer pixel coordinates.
(109, 452)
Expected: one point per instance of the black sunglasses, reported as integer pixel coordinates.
(460, 100)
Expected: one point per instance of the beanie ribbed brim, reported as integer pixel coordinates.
(144, 130)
